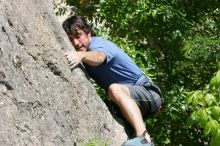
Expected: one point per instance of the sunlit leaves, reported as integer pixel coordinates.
(215, 113)
(211, 128)
(216, 139)
(215, 82)
(206, 110)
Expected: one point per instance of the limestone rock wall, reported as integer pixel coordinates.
(42, 102)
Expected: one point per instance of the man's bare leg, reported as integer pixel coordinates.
(121, 96)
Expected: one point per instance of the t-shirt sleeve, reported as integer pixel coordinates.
(108, 52)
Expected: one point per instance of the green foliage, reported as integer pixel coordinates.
(169, 126)
(96, 142)
(215, 82)
(60, 7)
(205, 107)
(200, 58)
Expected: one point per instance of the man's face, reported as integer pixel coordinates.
(80, 40)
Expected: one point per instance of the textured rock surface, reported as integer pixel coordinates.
(41, 101)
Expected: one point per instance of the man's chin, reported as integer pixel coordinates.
(82, 49)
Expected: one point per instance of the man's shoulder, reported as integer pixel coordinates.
(98, 42)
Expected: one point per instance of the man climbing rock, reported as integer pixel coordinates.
(115, 72)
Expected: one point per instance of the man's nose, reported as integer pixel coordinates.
(75, 42)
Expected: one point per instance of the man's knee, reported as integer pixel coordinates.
(116, 90)
(112, 90)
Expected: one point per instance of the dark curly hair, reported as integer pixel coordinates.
(71, 24)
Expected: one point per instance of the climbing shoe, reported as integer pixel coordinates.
(138, 141)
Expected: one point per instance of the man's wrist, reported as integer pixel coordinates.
(81, 55)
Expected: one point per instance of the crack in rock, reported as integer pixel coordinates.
(7, 85)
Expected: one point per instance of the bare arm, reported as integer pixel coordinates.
(93, 58)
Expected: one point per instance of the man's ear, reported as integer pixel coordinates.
(89, 34)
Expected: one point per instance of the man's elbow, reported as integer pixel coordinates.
(101, 57)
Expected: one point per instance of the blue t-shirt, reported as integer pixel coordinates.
(117, 68)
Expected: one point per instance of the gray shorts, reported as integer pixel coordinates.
(147, 100)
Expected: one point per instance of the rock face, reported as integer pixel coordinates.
(42, 102)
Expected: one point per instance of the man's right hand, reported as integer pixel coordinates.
(73, 58)
(93, 58)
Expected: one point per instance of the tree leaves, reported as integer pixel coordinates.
(216, 139)
(215, 112)
(206, 109)
(215, 82)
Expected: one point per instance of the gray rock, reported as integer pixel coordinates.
(43, 102)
